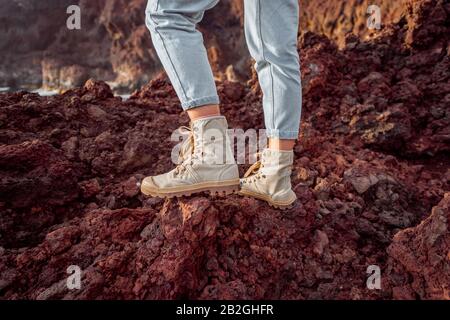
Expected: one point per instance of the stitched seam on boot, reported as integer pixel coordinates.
(230, 167)
(193, 174)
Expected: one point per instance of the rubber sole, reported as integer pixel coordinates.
(276, 204)
(220, 188)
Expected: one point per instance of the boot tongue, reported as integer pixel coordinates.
(209, 136)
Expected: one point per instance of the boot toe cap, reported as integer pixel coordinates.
(148, 185)
(287, 197)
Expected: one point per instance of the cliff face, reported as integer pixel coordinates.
(114, 45)
(372, 175)
(335, 19)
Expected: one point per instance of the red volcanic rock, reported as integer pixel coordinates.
(419, 257)
(371, 166)
(336, 19)
(98, 89)
(37, 181)
(90, 188)
(426, 22)
(387, 94)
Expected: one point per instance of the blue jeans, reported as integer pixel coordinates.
(271, 28)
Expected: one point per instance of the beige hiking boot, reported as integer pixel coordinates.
(207, 164)
(270, 179)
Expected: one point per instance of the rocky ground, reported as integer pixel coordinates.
(372, 174)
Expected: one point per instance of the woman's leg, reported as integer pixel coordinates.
(207, 161)
(172, 24)
(271, 31)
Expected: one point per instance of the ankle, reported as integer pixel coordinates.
(281, 144)
(203, 112)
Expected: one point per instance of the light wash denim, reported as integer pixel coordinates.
(271, 28)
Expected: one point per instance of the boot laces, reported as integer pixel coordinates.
(189, 150)
(254, 172)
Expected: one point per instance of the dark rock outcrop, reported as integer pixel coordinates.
(418, 257)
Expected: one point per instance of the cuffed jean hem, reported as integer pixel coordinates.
(200, 102)
(279, 134)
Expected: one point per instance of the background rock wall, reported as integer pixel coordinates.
(114, 45)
